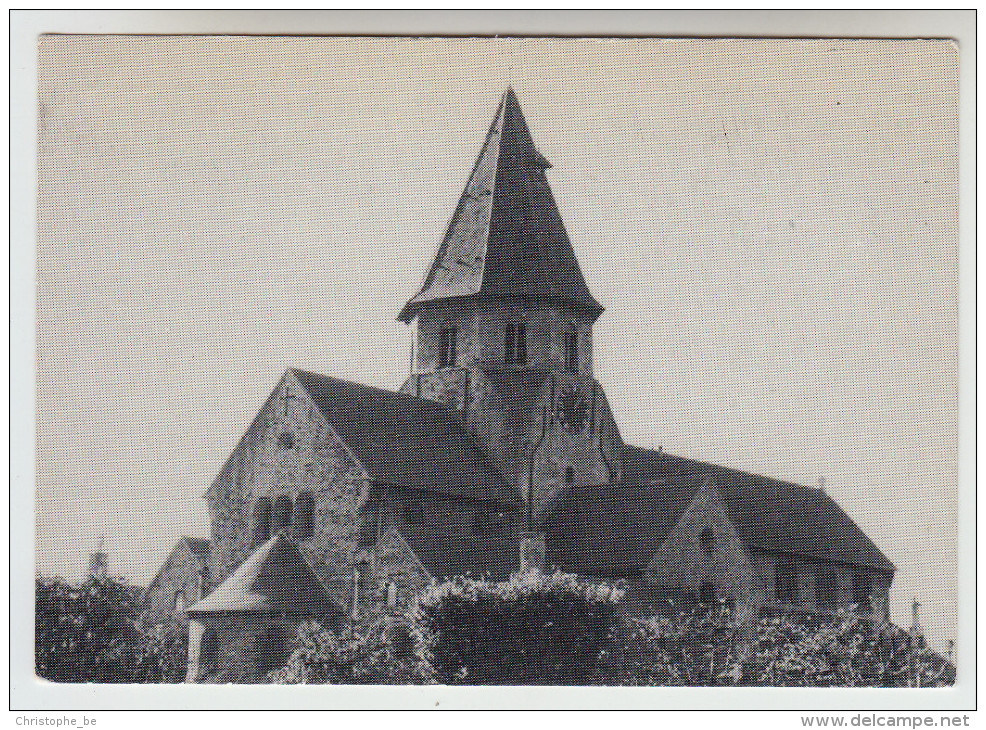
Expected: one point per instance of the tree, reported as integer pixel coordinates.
(91, 633)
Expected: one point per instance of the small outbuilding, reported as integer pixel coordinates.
(244, 628)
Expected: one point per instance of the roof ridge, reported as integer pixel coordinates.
(720, 467)
(396, 394)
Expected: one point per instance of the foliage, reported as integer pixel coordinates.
(556, 629)
(380, 653)
(91, 633)
(533, 629)
(707, 647)
(164, 657)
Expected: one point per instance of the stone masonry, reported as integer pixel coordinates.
(288, 450)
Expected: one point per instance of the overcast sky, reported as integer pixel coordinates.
(771, 226)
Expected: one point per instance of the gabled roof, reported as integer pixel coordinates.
(447, 555)
(198, 546)
(404, 441)
(614, 530)
(769, 514)
(275, 578)
(506, 237)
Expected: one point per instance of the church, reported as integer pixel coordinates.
(499, 453)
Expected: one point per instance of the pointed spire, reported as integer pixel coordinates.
(506, 238)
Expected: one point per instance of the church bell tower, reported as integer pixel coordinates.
(504, 324)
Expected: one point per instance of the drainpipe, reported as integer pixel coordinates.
(544, 433)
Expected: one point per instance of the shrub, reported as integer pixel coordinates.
(533, 629)
(381, 653)
(706, 647)
(164, 657)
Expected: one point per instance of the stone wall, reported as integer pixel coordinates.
(534, 424)
(179, 576)
(289, 449)
(394, 561)
(808, 572)
(239, 647)
(481, 334)
(704, 548)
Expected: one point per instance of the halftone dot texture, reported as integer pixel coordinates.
(771, 226)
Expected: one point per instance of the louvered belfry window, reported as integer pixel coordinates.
(446, 347)
(572, 351)
(515, 345)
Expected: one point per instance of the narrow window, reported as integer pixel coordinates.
(479, 523)
(281, 519)
(208, 651)
(202, 582)
(515, 344)
(391, 594)
(446, 347)
(707, 593)
(304, 523)
(413, 513)
(572, 351)
(862, 587)
(261, 521)
(827, 589)
(569, 476)
(786, 586)
(179, 601)
(708, 541)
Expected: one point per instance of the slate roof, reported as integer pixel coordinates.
(445, 555)
(769, 514)
(614, 530)
(276, 578)
(197, 545)
(405, 441)
(506, 237)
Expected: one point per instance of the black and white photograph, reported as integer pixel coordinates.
(497, 362)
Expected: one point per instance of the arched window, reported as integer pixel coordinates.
(827, 589)
(862, 587)
(707, 593)
(786, 581)
(304, 520)
(479, 523)
(515, 344)
(708, 541)
(261, 521)
(281, 519)
(446, 347)
(208, 652)
(572, 350)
